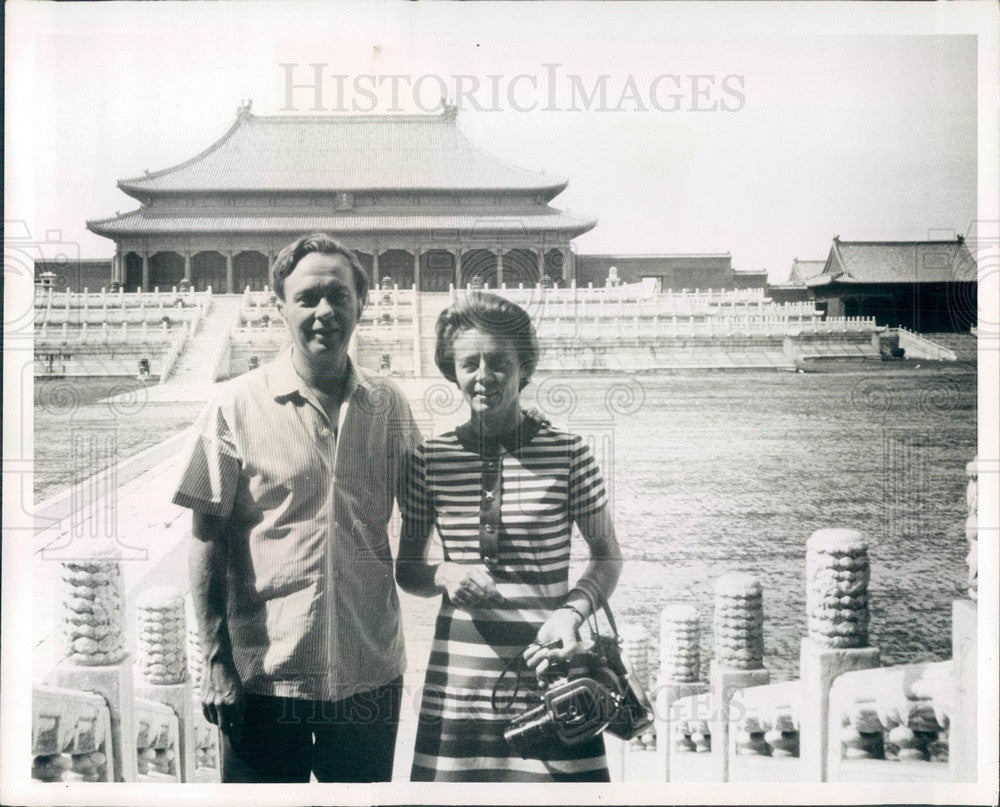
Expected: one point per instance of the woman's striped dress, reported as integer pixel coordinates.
(546, 483)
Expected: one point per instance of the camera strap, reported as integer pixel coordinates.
(516, 662)
(494, 703)
(597, 603)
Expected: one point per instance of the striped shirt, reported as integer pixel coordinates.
(313, 611)
(545, 485)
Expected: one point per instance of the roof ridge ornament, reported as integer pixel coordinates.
(449, 111)
(244, 109)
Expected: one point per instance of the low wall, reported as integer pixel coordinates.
(98, 360)
(640, 355)
(845, 718)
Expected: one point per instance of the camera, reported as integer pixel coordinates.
(580, 699)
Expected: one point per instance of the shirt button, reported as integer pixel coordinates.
(488, 494)
(324, 431)
(489, 528)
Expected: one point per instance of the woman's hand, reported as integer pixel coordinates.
(468, 585)
(556, 639)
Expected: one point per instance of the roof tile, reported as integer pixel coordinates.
(540, 219)
(901, 262)
(342, 153)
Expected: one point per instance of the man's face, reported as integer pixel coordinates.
(320, 307)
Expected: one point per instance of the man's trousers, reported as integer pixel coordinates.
(287, 739)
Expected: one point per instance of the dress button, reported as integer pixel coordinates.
(488, 494)
(489, 528)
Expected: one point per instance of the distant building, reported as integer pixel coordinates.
(411, 194)
(921, 285)
(76, 274)
(795, 290)
(673, 271)
(749, 279)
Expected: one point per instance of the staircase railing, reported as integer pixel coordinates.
(920, 347)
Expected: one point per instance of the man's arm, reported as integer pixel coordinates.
(221, 689)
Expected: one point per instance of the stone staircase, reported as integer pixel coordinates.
(431, 306)
(196, 363)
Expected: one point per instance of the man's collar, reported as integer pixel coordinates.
(283, 381)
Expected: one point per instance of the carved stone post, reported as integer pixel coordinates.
(635, 644)
(161, 663)
(962, 754)
(96, 658)
(738, 662)
(837, 576)
(680, 663)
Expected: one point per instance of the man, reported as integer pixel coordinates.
(291, 476)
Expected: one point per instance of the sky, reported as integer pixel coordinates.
(819, 128)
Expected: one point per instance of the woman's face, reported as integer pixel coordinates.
(488, 372)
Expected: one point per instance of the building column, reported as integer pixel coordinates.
(458, 268)
(499, 253)
(569, 265)
(229, 272)
(272, 258)
(376, 280)
(541, 264)
(187, 266)
(416, 267)
(145, 271)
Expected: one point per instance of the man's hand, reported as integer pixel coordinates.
(222, 698)
(556, 639)
(468, 585)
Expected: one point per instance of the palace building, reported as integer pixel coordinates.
(928, 286)
(411, 194)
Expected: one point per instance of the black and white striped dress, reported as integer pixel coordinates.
(547, 482)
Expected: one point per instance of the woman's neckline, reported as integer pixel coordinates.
(508, 443)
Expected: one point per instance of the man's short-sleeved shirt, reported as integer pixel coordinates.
(313, 610)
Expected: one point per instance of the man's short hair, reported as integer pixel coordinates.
(290, 256)
(490, 314)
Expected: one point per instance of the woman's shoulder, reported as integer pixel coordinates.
(440, 442)
(552, 434)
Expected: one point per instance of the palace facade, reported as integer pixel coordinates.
(420, 203)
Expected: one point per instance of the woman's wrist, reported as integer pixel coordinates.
(568, 606)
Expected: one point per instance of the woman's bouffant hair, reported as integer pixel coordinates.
(489, 314)
(290, 256)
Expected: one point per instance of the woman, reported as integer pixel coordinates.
(503, 490)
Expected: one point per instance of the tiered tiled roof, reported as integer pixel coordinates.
(544, 219)
(342, 153)
(896, 262)
(802, 271)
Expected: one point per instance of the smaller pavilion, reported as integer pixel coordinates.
(921, 285)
